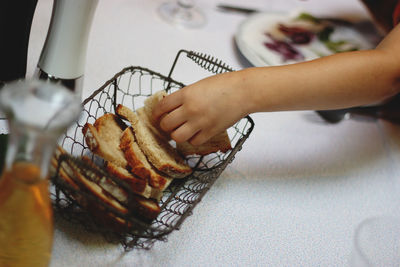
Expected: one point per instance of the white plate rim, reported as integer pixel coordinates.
(249, 53)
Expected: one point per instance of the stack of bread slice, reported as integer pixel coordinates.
(104, 191)
(135, 150)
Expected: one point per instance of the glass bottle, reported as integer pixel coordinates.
(38, 113)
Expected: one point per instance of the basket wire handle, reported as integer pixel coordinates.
(207, 62)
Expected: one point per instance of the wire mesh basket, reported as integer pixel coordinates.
(130, 87)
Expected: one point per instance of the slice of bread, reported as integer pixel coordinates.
(104, 189)
(108, 193)
(91, 206)
(145, 113)
(63, 171)
(139, 163)
(154, 128)
(103, 139)
(220, 142)
(73, 177)
(158, 152)
(139, 186)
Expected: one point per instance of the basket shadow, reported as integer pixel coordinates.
(78, 233)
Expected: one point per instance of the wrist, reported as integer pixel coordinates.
(246, 92)
(238, 98)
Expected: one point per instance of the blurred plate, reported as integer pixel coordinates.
(258, 29)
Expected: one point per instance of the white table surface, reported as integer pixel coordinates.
(295, 193)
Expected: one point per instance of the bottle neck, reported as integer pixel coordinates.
(75, 85)
(29, 144)
(37, 113)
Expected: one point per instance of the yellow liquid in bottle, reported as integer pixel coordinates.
(26, 224)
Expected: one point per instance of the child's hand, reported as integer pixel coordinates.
(201, 110)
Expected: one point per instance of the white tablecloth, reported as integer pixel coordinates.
(295, 193)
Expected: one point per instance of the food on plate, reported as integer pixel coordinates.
(297, 35)
(286, 50)
(287, 37)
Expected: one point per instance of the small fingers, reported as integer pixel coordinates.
(199, 138)
(167, 104)
(183, 133)
(172, 120)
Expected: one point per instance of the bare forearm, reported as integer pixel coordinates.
(343, 80)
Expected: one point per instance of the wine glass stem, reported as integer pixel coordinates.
(186, 4)
(184, 9)
(183, 13)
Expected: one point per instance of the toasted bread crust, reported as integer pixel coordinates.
(220, 142)
(103, 138)
(147, 208)
(144, 118)
(139, 163)
(138, 185)
(135, 160)
(159, 152)
(145, 114)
